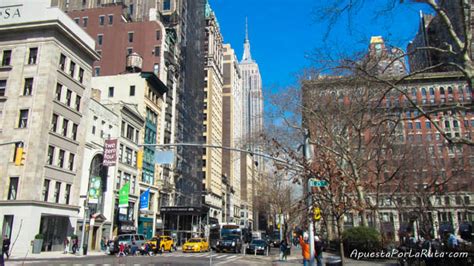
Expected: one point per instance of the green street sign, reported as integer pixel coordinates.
(317, 183)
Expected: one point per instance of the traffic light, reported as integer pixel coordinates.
(317, 213)
(140, 159)
(19, 154)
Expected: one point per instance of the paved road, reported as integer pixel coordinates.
(175, 258)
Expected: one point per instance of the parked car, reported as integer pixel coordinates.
(259, 245)
(196, 245)
(166, 243)
(229, 243)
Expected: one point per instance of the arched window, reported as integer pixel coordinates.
(432, 92)
(413, 93)
(442, 94)
(423, 95)
(97, 184)
(450, 93)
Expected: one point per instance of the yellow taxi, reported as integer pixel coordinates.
(166, 243)
(196, 245)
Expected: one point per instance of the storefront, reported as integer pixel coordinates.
(145, 226)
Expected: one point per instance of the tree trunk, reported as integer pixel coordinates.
(361, 199)
(340, 229)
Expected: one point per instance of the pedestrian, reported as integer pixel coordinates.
(283, 250)
(66, 245)
(318, 249)
(6, 246)
(102, 244)
(121, 250)
(133, 248)
(158, 245)
(305, 250)
(74, 245)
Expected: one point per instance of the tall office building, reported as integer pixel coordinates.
(231, 132)
(252, 125)
(46, 68)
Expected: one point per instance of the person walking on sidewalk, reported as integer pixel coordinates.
(66, 245)
(283, 251)
(74, 245)
(6, 246)
(318, 250)
(305, 250)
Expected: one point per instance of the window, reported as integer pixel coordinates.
(62, 154)
(23, 119)
(13, 188)
(428, 124)
(46, 189)
(78, 103)
(54, 122)
(6, 59)
(68, 97)
(101, 20)
(132, 90)
(130, 37)
(57, 189)
(418, 125)
(96, 71)
(67, 194)
(111, 19)
(62, 62)
(59, 89)
(410, 125)
(111, 92)
(167, 5)
(28, 87)
(467, 200)
(130, 9)
(100, 39)
(158, 35)
(65, 124)
(72, 68)
(129, 51)
(81, 75)
(120, 153)
(130, 131)
(3, 87)
(50, 160)
(32, 56)
(76, 20)
(447, 124)
(84, 21)
(71, 162)
(128, 156)
(455, 123)
(74, 131)
(157, 51)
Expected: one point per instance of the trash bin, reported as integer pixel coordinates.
(84, 249)
(333, 261)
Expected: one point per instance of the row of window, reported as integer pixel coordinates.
(57, 157)
(57, 192)
(85, 20)
(71, 70)
(104, 130)
(127, 156)
(14, 185)
(8, 54)
(129, 132)
(111, 91)
(66, 98)
(65, 130)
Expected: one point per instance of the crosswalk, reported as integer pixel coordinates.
(217, 256)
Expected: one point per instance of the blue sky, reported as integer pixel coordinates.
(283, 32)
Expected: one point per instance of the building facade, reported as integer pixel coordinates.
(384, 60)
(231, 132)
(44, 82)
(214, 183)
(146, 91)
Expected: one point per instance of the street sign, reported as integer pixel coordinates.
(313, 182)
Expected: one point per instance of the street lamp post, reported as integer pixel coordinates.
(83, 233)
(307, 157)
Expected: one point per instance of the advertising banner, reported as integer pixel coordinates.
(110, 152)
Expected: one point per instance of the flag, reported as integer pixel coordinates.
(145, 200)
(123, 195)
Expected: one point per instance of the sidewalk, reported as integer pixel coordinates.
(297, 259)
(53, 255)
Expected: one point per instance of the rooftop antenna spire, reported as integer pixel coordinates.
(246, 29)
